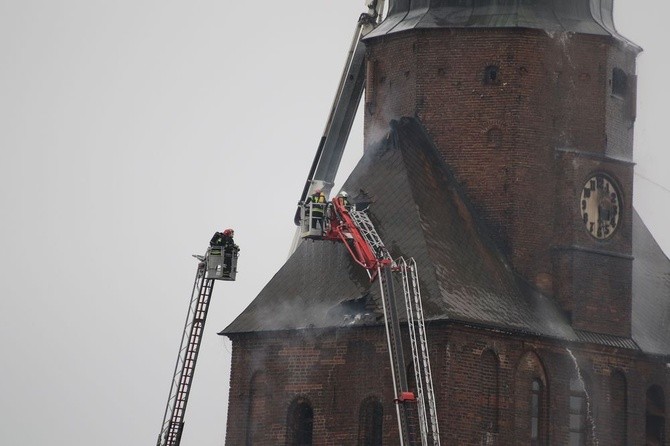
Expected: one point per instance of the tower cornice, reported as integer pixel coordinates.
(593, 17)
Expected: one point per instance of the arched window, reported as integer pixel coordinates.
(619, 407)
(655, 414)
(489, 387)
(531, 402)
(536, 403)
(370, 422)
(299, 423)
(577, 413)
(258, 395)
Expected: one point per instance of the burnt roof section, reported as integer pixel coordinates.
(579, 16)
(419, 211)
(651, 292)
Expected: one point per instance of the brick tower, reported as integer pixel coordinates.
(498, 153)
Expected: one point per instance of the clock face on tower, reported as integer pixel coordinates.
(600, 206)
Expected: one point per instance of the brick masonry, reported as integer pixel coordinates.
(523, 145)
(336, 370)
(522, 141)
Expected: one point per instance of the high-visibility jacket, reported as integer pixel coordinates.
(317, 211)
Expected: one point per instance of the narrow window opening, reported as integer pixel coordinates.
(300, 423)
(489, 387)
(655, 414)
(619, 82)
(577, 413)
(371, 419)
(491, 75)
(536, 413)
(618, 392)
(494, 137)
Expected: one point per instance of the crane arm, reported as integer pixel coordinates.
(344, 228)
(343, 111)
(355, 229)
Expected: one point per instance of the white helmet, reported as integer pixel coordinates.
(344, 194)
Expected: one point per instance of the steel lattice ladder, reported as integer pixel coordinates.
(173, 420)
(369, 233)
(420, 357)
(396, 356)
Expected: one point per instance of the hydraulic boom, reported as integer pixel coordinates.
(346, 224)
(343, 111)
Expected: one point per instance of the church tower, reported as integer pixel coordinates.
(499, 154)
(532, 105)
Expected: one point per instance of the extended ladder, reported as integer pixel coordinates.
(220, 263)
(396, 356)
(173, 420)
(367, 229)
(417, 331)
(420, 356)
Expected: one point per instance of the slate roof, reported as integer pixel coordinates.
(651, 292)
(419, 211)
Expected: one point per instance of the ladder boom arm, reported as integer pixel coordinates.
(343, 111)
(356, 231)
(345, 229)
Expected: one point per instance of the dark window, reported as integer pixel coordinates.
(619, 82)
(492, 74)
(577, 413)
(494, 137)
(618, 392)
(370, 423)
(488, 385)
(536, 421)
(300, 423)
(655, 414)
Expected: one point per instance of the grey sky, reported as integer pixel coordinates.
(129, 132)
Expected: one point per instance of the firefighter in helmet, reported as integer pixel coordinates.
(318, 206)
(223, 239)
(344, 197)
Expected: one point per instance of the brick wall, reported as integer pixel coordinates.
(336, 370)
(521, 142)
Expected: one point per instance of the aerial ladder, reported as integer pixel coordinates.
(219, 263)
(331, 146)
(337, 221)
(342, 222)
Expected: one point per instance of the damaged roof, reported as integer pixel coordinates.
(419, 211)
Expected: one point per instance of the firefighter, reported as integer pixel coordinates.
(344, 196)
(318, 207)
(223, 239)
